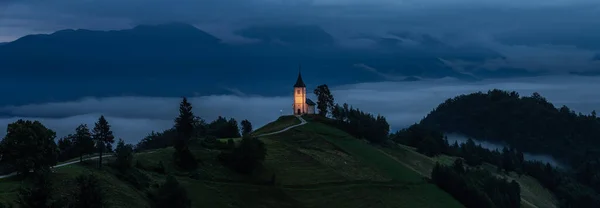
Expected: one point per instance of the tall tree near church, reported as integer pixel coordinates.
(184, 128)
(246, 127)
(103, 136)
(324, 99)
(83, 141)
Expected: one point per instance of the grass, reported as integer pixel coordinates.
(314, 165)
(118, 193)
(368, 178)
(279, 124)
(532, 193)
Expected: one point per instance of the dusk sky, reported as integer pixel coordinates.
(539, 35)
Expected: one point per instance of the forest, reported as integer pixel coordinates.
(528, 123)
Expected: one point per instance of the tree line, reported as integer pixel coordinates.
(357, 123)
(475, 187)
(520, 122)
(30, 149)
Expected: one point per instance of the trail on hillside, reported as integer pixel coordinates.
(302, 122)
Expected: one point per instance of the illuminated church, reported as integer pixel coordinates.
(302, 105)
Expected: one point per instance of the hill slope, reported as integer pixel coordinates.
(313, 165)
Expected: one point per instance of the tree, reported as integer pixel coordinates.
(66, 148)
(247, 156)
(84, 144)
(172, 195)
(324, 100)
(184, 125)
(246, 127)
(88, 194)
(29, 145)
(103, 136)
(124, 153)
(184, 128)
(40, 194)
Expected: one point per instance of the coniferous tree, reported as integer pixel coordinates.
(29, 145)
(103, 137)
(324, 99)
(83, 141)
(184, 128)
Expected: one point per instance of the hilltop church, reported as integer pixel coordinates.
(302, 105)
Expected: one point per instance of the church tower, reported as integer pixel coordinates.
(300, 106)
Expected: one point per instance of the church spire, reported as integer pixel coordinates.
(299, 81)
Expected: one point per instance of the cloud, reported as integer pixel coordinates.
(403, 103)
(544, 35)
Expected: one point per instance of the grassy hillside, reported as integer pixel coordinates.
(313, 165)
(279, 124)
(532, 192)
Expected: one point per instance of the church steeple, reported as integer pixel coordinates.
(299, 82)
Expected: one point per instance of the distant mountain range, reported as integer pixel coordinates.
(178, 59)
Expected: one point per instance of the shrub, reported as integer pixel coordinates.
(171, 194)
(124, 153)
(246, 157)
(89, 194)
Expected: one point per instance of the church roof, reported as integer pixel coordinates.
(299, 82)
(309, 102)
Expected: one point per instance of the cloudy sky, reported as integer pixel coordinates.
(403, 103)
(551, 35)
(548, 35)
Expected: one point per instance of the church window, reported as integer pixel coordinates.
(298, 92)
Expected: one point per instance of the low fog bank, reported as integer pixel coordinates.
(402, 103)
(461, 139)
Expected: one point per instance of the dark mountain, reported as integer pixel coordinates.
(178, 59)
(2, 44)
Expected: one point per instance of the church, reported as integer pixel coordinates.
(302, 105)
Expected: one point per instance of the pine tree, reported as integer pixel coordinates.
(103, 136)
(184, 125)
(184, 128)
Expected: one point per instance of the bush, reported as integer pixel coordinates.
(124, 153)
(134, 177)
(246, 157)
(40, 194)
(171, 194)
(230, 144)
(88, 194)
(185, 159)
(160, 168)
(476, 188)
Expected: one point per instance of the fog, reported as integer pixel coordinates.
(402, 103)
(461, 139)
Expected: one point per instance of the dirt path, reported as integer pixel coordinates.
(302, 122)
